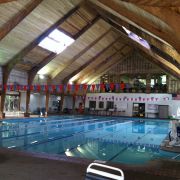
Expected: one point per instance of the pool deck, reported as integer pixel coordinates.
(35, 166)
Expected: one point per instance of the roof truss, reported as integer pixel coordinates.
(15, 20)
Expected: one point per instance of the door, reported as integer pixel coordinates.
(163, 111)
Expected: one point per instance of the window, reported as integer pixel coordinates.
(92, 104)
(110, 105)
(56, 41)
(137, 38)
(152, 82)
(163, 79)
(101, 104)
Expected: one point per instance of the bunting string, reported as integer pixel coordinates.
(71, 88)
(63, 87)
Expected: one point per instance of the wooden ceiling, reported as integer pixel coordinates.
(96, 26)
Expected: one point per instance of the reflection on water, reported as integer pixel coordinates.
(114, 139)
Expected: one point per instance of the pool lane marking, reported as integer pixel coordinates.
(29, 134)
(101, 122)
(56, 138)
(116, 155)
(61, 138)
(99, 137)
(60, 123)
(73, 122)
(46, 125)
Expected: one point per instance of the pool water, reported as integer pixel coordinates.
(115, 139)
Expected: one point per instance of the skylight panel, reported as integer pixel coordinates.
(56, 41)
(137, 38)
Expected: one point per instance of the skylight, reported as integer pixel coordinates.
(137, 38)
(56, 42)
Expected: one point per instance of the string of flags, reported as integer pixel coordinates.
(64, 87)
(141, 99)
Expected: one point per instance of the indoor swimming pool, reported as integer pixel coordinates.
(115, 139)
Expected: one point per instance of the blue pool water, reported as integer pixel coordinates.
(116, 139)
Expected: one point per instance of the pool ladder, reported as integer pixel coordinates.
(176, 156)
(97, 173)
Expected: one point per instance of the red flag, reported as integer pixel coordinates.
(38, 87)
(112, 86)
(61, 87)
(69, 87)
(93, 87)
(76, 87)
(31, 87)
(11, 87)
(122, 85)
(102, 86)
(25, 88)
(85, 86)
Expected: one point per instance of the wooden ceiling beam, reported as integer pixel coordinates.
(152, 40)
(93, 59)
(170, 17)
(58, 71)
(155, 3)
(118, 8)
(15, 20)
(119, 28)
(106, 67)
(162, 63)
(19, 56)
(101, 63)
(32, 73)
(6, 1)
(84, 29)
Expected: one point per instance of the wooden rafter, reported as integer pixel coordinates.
(174, 63)
(116, 7)
(162, 63)
(32, 73)
(155, 3)
(47, 59)
(102, 63)
(15, 20)
(93, 59)
(106, 66)
(169, 17)
(18, 57)
(84, 29)
(6, 1)
(152, 40)
(107, 69)
(173, 70)
(58, 71)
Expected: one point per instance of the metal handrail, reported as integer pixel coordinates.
(105, 174)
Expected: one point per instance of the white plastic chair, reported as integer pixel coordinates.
(93, 173)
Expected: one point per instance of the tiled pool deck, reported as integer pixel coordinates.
(24, 166)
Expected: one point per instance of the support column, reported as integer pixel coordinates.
(148, 84)
(28, 93)
(74, 102)
(5, 76)
(47, 103)
(31, 76)
(19, 105)
(2, 114)
(61, 104)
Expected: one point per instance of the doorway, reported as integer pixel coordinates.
(139, 109)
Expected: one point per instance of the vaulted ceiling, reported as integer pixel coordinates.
(97, 26)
